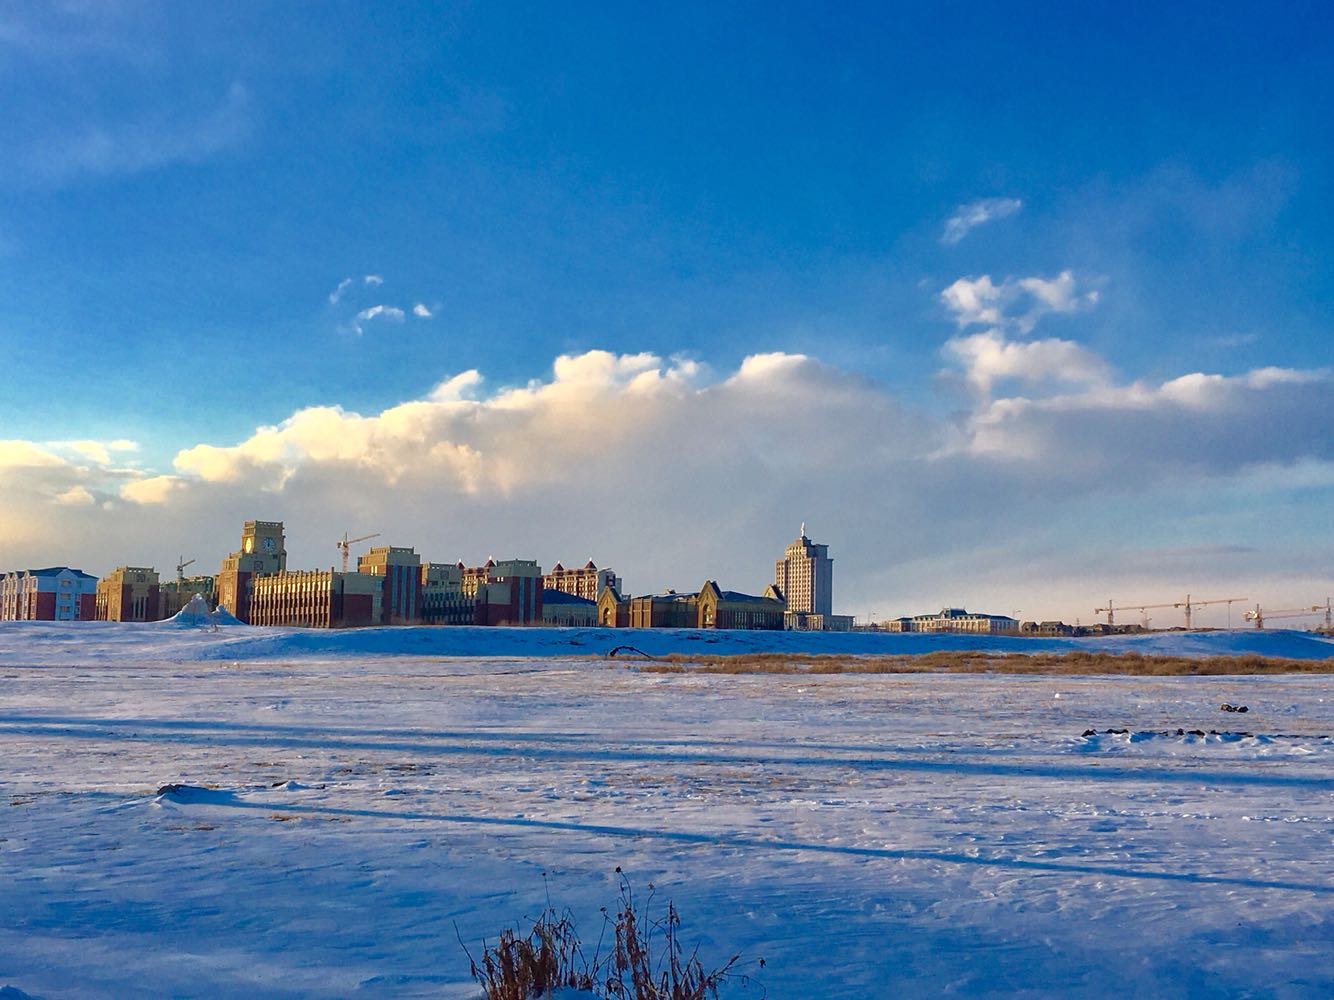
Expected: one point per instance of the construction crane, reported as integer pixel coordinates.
(1110, 611)
(345, 544)
(1260, 616)
(181, 563)
(1188, 604)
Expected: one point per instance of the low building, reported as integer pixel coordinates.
(442, 599)
(613, 609)
(956, 620)
(669, 610)
(588, 581)
(562, 610)
(1046, 629)
(709, 607)
(129, 594)
(316, 599)
(798, 621)
(55, 593)
(732, 609)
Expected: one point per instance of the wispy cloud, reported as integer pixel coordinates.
(337, 293)
(422, 311)
(383, 313)
(968, 217)
(105, 147)
(373, 279)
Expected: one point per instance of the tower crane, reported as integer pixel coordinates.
(1188, 604)
(345, 544)
(1259, 615)
(181, 563)
(1110, 611)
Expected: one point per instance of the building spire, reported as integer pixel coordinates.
(803, 529)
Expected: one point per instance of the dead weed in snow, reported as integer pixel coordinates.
(1077, 662)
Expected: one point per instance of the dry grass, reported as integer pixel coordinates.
(981, 662)
(647, 959)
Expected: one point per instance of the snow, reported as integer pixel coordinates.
(186, 639)
(277, 813)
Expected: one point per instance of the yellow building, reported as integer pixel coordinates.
(129, 594)
(315, 599)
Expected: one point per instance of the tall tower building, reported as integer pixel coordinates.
(262, 553)
(805, 576)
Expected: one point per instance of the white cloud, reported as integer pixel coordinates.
(75, 496)
(373, 279)
(1016, 303)
(422, 311)
(152, 490)
(989, 357)
(16, 454)
(1123, 434)
(976, 213)
(388, 312)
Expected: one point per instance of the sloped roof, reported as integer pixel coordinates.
(560, 597)
(732, 595)
(54, 570)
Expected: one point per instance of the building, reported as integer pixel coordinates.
(174, 595)
(56, 593)
(442, 599)
(805, 578)
(400, 571)
(562, 610)
(129, 594)
(730, 609)
(263, 552)
(956, 620)
(1049, 628)
(800, 622)
(587, 582)
(669, 610)
(613, 609)
(315, 599)
(710, 607)
(504, 593)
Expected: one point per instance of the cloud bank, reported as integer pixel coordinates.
(672, 471)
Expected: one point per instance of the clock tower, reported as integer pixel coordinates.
(263, 552)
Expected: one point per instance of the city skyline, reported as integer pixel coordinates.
(1018, 311)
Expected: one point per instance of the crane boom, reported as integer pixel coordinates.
(1259, 615)
(1188, 604)
(345, 544)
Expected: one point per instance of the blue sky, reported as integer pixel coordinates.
(213, 220)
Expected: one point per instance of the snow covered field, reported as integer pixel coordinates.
(351, 806)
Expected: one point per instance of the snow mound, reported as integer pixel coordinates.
(196, 614)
